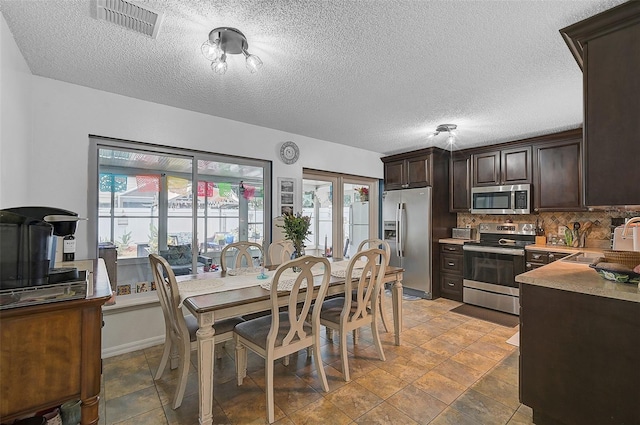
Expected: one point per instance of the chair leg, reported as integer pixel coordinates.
(165, 357)
(183, 371)
(241, 362)
(343, 355)
(218, 350)
(174, 357)
(268, 375)
(318, 361)
(329, 334)
(376, 338)
(383, 313)
(285, 360)
(356, 334)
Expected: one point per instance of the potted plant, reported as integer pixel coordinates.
(296, 229)
(364, 193)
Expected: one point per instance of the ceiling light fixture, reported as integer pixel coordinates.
(223, 41)
(445, 127)
(448, 128)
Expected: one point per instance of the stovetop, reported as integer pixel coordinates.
(505, 243)
(507, 235)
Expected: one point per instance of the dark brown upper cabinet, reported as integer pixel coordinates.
(557, 174)
(607, 48)
(460, 182)
(506, 166)
(408, 172)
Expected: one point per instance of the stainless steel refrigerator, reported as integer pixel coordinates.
(407, 226)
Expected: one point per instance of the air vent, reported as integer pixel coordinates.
(130, 15)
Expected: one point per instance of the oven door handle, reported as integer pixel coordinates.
(493, 250)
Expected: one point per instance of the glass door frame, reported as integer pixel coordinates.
(96, 143)
(337, 203)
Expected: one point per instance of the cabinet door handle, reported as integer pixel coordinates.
(450, 248)
(529, 265)
(450, 284)
(451, 264)
(551, 256)
(537, 256)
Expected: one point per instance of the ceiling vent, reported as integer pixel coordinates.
(130, 15)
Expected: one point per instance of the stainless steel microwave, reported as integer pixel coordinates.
(513, 199)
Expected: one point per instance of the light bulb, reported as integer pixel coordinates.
(219, 66)
(253, 63)
(450, 139)
(211, 51)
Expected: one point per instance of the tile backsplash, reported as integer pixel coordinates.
(599, 235)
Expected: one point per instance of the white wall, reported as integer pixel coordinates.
(44, 157)
(67, 114)
(15, 121)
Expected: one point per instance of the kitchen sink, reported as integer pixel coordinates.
(582, 257)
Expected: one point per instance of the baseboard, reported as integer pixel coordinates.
(132, 346)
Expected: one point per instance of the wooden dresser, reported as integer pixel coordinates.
(50, 354)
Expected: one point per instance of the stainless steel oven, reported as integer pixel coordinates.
(491, 265)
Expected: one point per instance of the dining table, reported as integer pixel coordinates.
(214, 296)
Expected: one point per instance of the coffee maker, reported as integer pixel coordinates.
(30, 244)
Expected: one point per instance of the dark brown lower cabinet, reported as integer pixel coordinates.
(451, 271)
(579, 358)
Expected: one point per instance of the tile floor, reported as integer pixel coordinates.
(450, 369)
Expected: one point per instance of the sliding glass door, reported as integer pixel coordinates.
(148, 203)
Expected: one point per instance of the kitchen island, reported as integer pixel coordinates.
(579, 341)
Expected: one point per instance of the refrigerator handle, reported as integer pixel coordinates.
(397, 245)
(400, 232)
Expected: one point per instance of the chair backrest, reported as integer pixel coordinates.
(244, 254)
(366, 287)
(167, 289)
(298, 310)
(376, 243)
(280, 251)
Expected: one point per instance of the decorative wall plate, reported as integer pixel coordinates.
(289, 152)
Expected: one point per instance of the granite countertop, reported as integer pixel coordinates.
(560, 248)
(455, 241)
(579, 278)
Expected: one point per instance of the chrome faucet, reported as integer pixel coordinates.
(635, 233)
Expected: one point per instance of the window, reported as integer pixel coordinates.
(147, 202)
(344, 212)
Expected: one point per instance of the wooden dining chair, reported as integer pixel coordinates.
(242, 254)
(343, 314)
(384, 245)
(180, 331)
(280, 251)
(285, 332)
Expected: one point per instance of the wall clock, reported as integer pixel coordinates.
(289, 152)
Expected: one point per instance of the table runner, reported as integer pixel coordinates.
(339, 268)
(288, 278)
(248, 277)
(191, 288)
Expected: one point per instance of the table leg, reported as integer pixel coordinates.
(396, 293)
(206, 360)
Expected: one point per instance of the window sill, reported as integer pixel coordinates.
(132, 302)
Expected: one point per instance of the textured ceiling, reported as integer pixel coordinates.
(379, 75)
